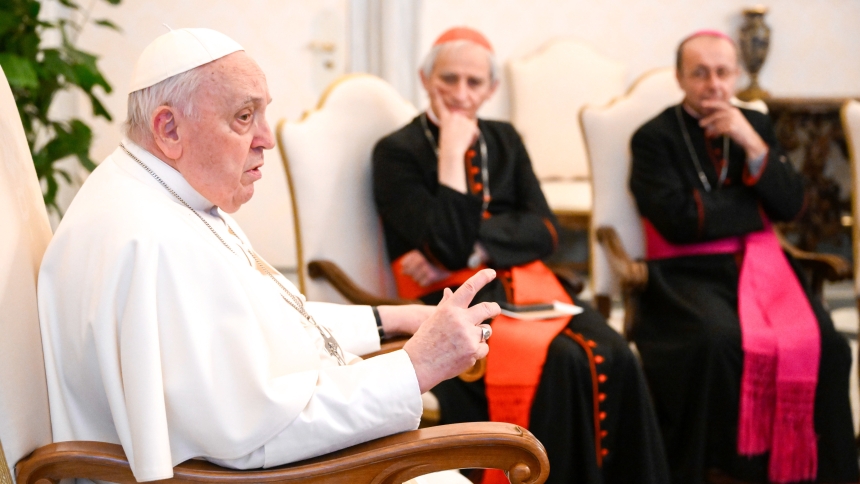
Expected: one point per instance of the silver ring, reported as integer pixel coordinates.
(486, 331)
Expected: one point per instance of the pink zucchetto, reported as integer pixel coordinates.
(708, 33)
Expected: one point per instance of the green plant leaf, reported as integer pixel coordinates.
(19, 71)
(98, 108)
(107, 23)
(33, 8)
(51, 192)
(65, 175)
(8, 21)
(70, 4)
(54, 65)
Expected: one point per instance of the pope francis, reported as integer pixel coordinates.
(165, 332)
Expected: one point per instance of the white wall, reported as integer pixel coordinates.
(815, 44)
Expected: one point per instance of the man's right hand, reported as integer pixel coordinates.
(450, 342)
(416, 266)
(726, 119)
(457, 133)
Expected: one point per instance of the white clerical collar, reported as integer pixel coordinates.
(171, 177)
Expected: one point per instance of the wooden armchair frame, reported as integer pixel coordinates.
(633, 274)
(389, 460)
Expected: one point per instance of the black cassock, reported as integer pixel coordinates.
(688, 331)
(419, 213)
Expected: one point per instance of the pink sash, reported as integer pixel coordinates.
(781, 345)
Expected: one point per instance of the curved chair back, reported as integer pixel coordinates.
(24, 418)
(607, 132)
(548, 89)
(851, 127)
(327, 160)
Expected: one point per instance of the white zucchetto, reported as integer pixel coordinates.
(179, 51)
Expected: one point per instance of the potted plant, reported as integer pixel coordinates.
(36, 73)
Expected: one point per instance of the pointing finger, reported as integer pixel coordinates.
(467, 291)
(484, 311)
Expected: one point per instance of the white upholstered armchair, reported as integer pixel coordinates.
(548, 89)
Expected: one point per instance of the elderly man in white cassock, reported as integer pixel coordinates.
(165, 332)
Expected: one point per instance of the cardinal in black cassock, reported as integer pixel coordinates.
(590, 407)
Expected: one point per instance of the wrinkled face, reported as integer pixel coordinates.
(461, 75)
(222, 146)
(709, 70)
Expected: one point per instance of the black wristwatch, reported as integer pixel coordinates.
(378, 322)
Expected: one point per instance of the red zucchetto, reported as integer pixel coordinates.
(464, 33)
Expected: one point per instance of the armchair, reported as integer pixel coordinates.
(617, 239)
(27, 454)
(547, 89)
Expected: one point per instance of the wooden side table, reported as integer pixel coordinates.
(809, 129)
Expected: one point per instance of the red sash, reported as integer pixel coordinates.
(782, 348)
(517, 348)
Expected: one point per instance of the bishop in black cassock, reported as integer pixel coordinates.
(688, 330)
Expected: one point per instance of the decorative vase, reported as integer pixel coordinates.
(755, 40)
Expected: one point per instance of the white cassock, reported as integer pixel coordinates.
(159, 338)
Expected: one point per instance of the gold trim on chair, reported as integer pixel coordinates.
(300, 259)
(5, 475)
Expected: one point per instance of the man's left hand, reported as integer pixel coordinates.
(726, 119)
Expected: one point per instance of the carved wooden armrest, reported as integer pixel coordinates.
(632, 274)
(828, 266)
(568, 275)
(820, 267)
(389, 460)
(348, 288)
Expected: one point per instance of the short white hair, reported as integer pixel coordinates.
(175, 91)
(430, 59)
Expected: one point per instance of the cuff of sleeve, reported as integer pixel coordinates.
(754, 169)
(400, 369)
(354, 327)
(352, 404)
